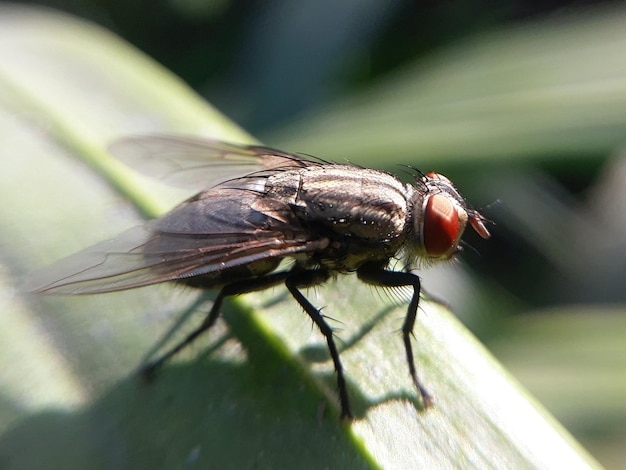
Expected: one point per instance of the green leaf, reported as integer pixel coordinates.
(259, 389)
(573, 355)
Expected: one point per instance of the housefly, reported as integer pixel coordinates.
(267, 206)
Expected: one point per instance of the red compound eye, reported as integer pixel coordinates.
(441, 225)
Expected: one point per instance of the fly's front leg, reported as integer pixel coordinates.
(303, 279)
(375, 275)
(235, 288)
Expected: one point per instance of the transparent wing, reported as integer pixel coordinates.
(198, 163)
(120, 264)
(218, 230)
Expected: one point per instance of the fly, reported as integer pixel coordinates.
(270, 205)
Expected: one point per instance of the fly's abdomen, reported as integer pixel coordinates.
(225, 276)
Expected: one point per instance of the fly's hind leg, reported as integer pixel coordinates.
(235, 288)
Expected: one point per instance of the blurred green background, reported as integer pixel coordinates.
(521, 103)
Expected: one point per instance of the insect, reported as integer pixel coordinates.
(266, 206)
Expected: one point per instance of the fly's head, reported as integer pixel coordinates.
(439, 219)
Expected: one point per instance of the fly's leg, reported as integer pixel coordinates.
(375, 275)
(235, 288)
(304, 279)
